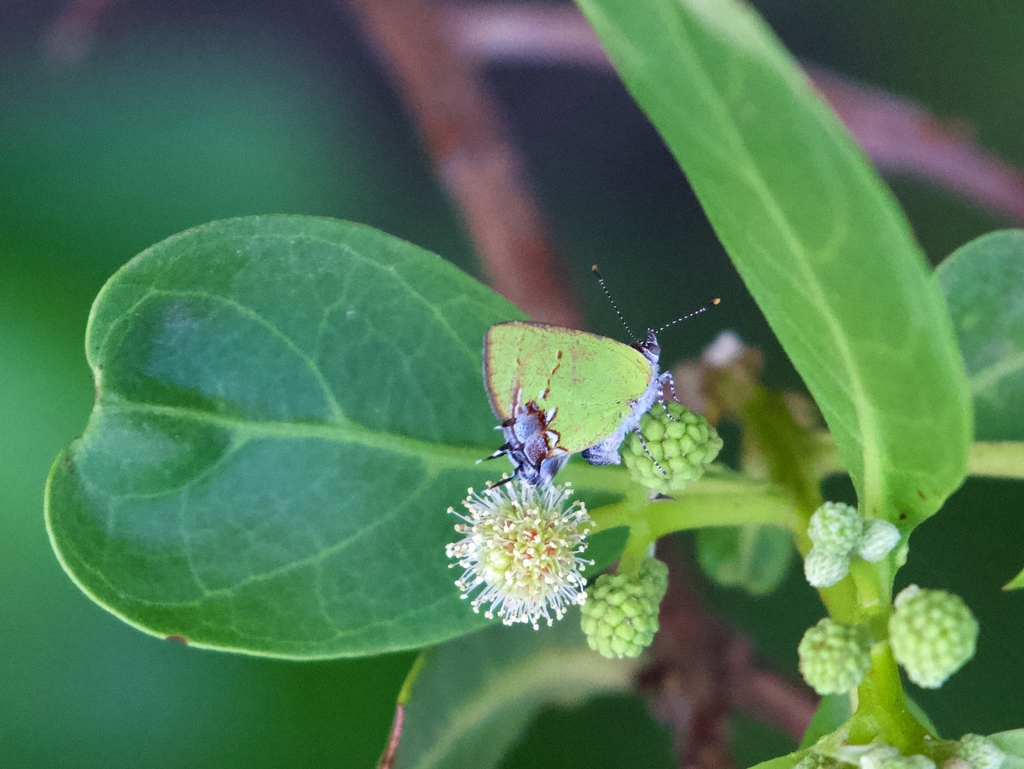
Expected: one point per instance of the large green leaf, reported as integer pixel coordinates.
(984, 286)
(477, 694)
(1012, 743)
(285, 408)
(817, 237)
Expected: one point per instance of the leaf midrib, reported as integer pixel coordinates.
(435, 455)
(988, 377)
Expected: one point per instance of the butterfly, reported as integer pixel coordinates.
(558, 392)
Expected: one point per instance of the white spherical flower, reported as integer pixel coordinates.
(905, 595)
(522, 545)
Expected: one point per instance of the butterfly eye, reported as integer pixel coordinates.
(650, 348)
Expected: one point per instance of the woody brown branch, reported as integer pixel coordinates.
(459, 124)
(702, 672)
(902, 138)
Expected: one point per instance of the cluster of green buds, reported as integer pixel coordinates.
(972, 751)
(932, 634)
(839, 532)
(977, 752)
(835, 657)
(620, 616)
(881, 756)
(816, 761)
(671, 448)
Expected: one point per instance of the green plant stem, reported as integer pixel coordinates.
(990, 459)
(635, 551)
(387, 758)
(410, 679)
(841, 601)
(996, 459)
(722, 498)
(874, 594)
(882, 709)
(712, 502)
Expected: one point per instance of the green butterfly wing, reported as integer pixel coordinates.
(591, 381)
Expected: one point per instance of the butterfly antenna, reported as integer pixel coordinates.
(612, 302)
(705, 308)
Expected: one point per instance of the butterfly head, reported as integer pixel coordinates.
(649, 347)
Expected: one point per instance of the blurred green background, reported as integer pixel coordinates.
(182, 112)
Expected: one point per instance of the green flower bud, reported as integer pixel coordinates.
(878, 540)
(680, 445)
(834, 657)
(916, 761)
(932, 634)
(654, 576)
(824, 568)
(620, 616)
(980, 752)
(836, 527)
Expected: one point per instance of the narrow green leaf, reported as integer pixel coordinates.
(479, 693)
(816, 235)
(1016, 583)
(604, 548)
(984, 286)
(755, 558)
(286, 407)
(787, 761)
(833, 711)
(922, 718)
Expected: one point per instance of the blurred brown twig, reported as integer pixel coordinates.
(460, 125)
(702, 671)
(68, 37)
(901, 136)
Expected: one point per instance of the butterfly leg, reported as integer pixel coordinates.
(502, 482)
(647, 451)
(500, 452)
(667, 379)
